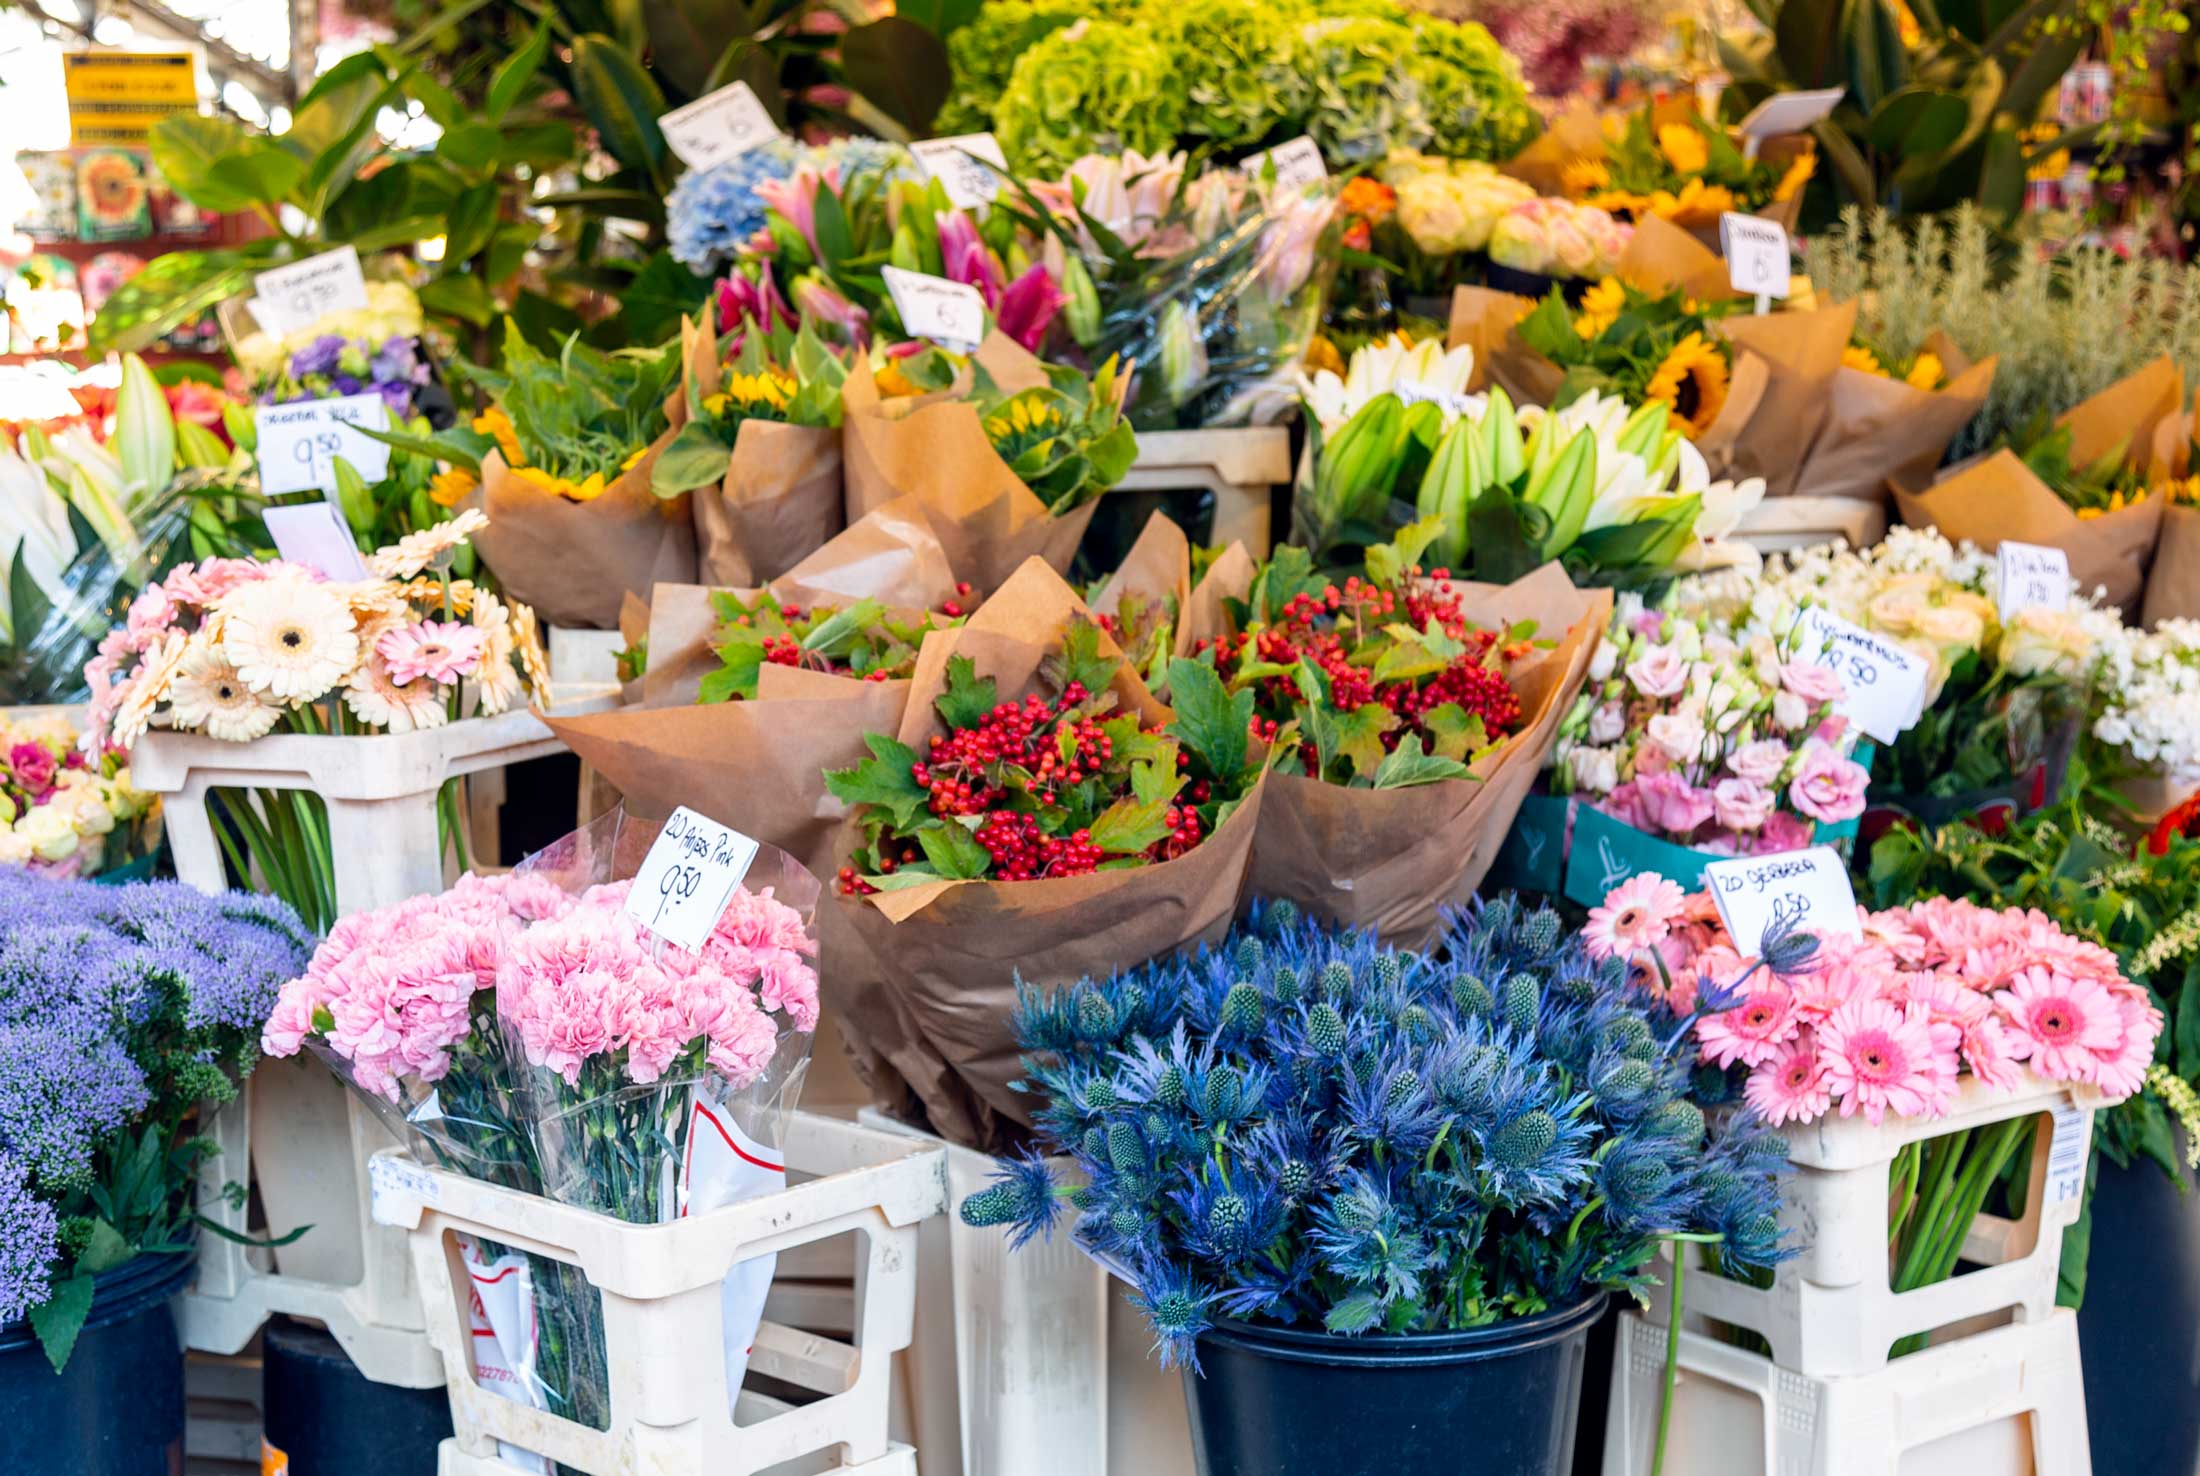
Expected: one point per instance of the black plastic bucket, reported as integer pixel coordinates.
(116, 1408)
(331, 1420)
(2135, 1327)
(1493, 1401)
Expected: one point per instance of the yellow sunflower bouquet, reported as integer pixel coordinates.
(1638, 345)
(1684, 168)
(1922, 370)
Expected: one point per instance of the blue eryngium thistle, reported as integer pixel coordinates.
(1301, 1127)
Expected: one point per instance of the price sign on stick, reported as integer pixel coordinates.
(299, 442)
(1883, 683)
(1786, 112)
(1808, 889)
(717, 126)
(1297, 163)
(951, 314)
(968, 166)
(295, 297)
(1756, 256)
(2029, 575)
(688, 877)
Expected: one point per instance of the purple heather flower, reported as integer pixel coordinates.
(29, 1240)
(317, 357)
(64, 1089)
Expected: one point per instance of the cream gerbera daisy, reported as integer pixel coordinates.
(208, 694)
(290, 638)
(532, 661)
(416, 551)
(375, 699)
(496, 679)
(147, 690)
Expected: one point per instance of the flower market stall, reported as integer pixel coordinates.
(1100, 737)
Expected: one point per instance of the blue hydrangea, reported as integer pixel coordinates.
(711, 212)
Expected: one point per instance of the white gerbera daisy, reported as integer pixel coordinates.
(290, 638)
(496, 678)
(376, 700)
(208, 694)
(416, 551)
(146, 690)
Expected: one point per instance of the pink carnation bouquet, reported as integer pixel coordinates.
(1695, 738)
(1893, 1020)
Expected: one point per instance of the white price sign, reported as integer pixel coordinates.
(969, 166)
(1413, 392)
(1808, 889)
(315, 534)
(1756, 254)
(299, 443)
(1297, 163)
(2029, 575)
(951, 314)
(1883, 684)
(295, 297)
(688, 877)
(717, 126)
(1789, 112)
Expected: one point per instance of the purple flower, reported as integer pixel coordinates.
(317, 357)
(30, 1236)
(347, 384)
(395, 360)
(398, 395)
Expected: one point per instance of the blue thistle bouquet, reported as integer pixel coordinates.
(1302, 1127)
(122, 1011)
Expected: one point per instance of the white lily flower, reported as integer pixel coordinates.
(1382, 368)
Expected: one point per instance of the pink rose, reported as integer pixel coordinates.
(1672, 804)
(1660, 671)
(1759, 762)
(1783, 831)
(1828, 787)
(1813, 683)
(1741, 805)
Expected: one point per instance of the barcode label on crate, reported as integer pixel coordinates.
(2066, 1155)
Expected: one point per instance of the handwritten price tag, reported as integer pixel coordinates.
(1297, 163)
(1756, 254)
(295, 297)
(717, 126)
(1754, 892)
(1789, 112)
(688, 877)
(2031, 575)
(951, 314)
(969, 166)
(299, 443)
(1884, 683)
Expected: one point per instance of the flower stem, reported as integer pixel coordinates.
(1672, 1363)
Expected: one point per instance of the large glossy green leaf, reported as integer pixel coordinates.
(459, 296)
(941, 17)
(1876, 62)
(517, 70)
(621, 101)
(473, 218)
(901, 67)
(1808, 37)
(660, 294)
(1917, 123)
(746, 59)
(262, 170)
(686, 37)
(172, 289)
(185, 150)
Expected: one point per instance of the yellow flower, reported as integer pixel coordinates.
(1600, 307)
(2185, 491)
(1583, 177)
(494, 422)
(1620, 202)
(1858, 357)
(587, 491)
(1697, 204)
(451, 486)
(892, 383)
(633, 458)
(1684, 147)
(1692, 381)
(1926, 372)
(1322, 354)
(1798, 174)
(761, 389)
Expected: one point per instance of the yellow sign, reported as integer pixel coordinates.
(115, 97)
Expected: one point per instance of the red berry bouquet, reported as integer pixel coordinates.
(863, 639)
(1038, 816)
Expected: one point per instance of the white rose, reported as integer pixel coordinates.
(1607, 723)
(89, 812)
(1679, 734)
(14, 850)
(50, 834)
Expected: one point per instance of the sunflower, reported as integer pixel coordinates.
(1620, 202)
(1584, 177)
(556, 486)
(112, 187)
(1697, 204)
(209, 695)
(1861, 359)
(494, 422)
(451, 486)
(1926, 372)
(1692, 380)
(1684, 147)
(1600, 307)
(1798, 174)
(290, 638)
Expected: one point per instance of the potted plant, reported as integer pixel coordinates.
(1345, 1177)
(122, 1011)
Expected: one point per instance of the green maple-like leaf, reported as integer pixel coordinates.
(1454, 733)
(1409, 765)
(1360, 736)
(886, 779)
(1210, 719)
(953, 851)
(1079, 660)
(968, 697)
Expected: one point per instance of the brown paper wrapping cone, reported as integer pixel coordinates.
(2125, 414)
(1484, 319)
(780, 502)
(1229, 577)
(575, 562)
(1157, 567)
(1997, 497)
(1392, 859)
(2173, 584)
(1660, 256)
(1572, 136)
(1880, 430)
(1802, 353)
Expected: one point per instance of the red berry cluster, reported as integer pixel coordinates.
(959, 606)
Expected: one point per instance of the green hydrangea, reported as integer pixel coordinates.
(1476, 102)
(1105, 88)
(1367, 97)
(985, 52)
(1241, 67)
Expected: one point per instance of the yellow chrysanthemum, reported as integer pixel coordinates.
(1926, 372)
(1684, 148)
(1858, 357)
(1798, 174)
(451, 486)
(556, 486)
(1692, 380)
(1583, 177)
(494, 422)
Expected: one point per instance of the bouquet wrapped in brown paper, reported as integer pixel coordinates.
(576, 561)
(1152, 607)
(757, 446)
(1884, 428)
(1007, 463)
(2173, 584)
(2109, 536)
(1424, 708)
(1038, 815)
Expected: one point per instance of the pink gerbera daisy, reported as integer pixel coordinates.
(2062, 1025)
(1879, 1058)
(1636, 915)
(1754, 1030)
(441, 651)
(1790, 1086)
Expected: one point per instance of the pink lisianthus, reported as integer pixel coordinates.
(1672, 804)
(1815, 684)
(1659, 671)
(1740, 805)
(1783, 831)
(1828, 787)
(1760, 762)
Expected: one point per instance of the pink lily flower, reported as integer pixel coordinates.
(1029, 305)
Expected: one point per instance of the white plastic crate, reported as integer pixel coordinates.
(1009, 1373)
(2005, 1402)
(1780, 523)
(1241, 466)
(379, 789)
(584, 664)
(1830, 1311)
(663, 1313)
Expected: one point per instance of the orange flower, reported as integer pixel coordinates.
(1368, 198)
(451, 486)
(1798, 174)
(494, 422)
